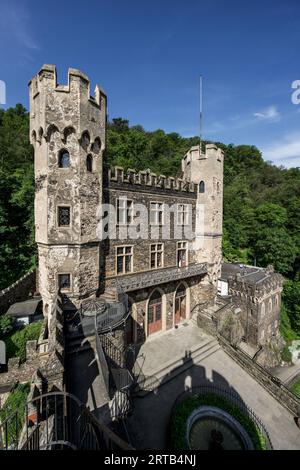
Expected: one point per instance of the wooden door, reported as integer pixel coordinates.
(155, 314)
(180, 305)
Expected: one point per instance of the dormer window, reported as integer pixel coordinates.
(64, 159)
(201, 187)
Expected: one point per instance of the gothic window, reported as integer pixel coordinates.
(201, 187)
(64, 281)
(89, 163)
(156, 255)
(64, 159)
(96, 145)
(64, 216)
(156, 213)
(124, 259)
(182, 254)
(85, 140)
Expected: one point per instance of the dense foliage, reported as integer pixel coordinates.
(16, 341)
(261, 201)
(14, 407)
(178, 424)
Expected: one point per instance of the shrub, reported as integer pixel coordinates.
(183, 410)
(286, 355)
(14, 408)
(296, 388)
(16, 343)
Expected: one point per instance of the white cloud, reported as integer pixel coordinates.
(15, 24)
(284, 152)
(268, 114)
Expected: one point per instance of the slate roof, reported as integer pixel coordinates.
(24, 309)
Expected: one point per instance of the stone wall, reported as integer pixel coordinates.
(154, 234)
(18, 292)
(260, 306)
(272, 384)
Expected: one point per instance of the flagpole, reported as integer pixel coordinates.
(200, 117)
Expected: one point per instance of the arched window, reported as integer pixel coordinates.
(89, 163)
(85, 140)
(96, 147)
(155, 312)
(64, 159)
(180, 304)
(201, 187)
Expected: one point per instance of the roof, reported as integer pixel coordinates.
(249, 274)
(24, 309)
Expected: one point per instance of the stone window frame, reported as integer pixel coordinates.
(185, 214)
(57, 216)
(124, 272)
(126, 210)
(155, 252)
(180, 248)
(65, 289)
(157, 223)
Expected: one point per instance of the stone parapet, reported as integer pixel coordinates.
(18, 291)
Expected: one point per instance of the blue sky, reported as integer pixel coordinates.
(148, 55)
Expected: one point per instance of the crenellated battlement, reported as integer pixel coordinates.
(195, 154)
(146, 178)
(69, 106)
(77, 81)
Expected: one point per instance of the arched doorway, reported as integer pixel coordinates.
(180, 304)
(155, 312)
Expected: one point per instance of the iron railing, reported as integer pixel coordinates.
(231, 397)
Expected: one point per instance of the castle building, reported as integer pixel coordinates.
(167, 272)
(104, 232)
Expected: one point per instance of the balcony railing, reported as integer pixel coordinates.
(136, 281)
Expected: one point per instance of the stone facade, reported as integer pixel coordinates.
(257, 292)
(66, 119)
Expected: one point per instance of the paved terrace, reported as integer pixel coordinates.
(148, 425)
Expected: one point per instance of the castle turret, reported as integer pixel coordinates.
(206, 170)
(67, 130)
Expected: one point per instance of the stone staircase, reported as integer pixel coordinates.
(167, 371)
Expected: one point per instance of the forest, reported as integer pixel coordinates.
(261, 200)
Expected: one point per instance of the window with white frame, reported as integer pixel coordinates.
(156, 213)
(182, 214)
(124, 211)
(182, 254)
(156, 255)
(124, 259)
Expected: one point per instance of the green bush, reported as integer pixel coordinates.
(16, 342)
(286, 355)
(14, 411)
(183, 411)
(6, 325)
(296, 388)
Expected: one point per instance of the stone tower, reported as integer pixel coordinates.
(67, 130)
(206, 170)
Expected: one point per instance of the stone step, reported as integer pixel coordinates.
(175, 367)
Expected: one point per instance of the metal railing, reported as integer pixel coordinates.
(57, 420)
(233, 398)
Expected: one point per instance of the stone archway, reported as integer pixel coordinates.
(181, 303)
